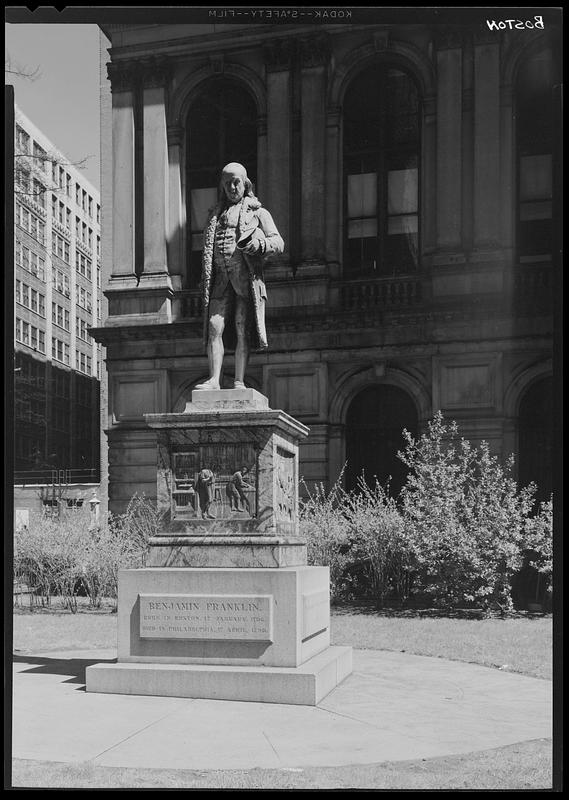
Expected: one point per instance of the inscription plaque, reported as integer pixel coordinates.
(200, 616)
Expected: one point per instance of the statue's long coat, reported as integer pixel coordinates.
(255, 220)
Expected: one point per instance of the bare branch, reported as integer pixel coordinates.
(14, 68)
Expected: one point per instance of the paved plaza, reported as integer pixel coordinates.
(394, 706)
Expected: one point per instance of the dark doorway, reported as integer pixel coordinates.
(536, 438)
(374, 435)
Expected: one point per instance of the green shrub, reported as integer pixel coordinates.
(324, 527)
(67, 555)
(466, 518)
(378, 543)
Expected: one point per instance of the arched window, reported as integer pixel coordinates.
(221, 127)
(534, 135)
(374, 435)
(381, 173)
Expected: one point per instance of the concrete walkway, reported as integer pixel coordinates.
(394, 706)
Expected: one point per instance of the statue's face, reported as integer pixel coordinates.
(233, 187)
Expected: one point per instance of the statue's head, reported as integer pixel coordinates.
(235, 184)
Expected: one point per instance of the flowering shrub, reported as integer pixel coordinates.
(465, 516)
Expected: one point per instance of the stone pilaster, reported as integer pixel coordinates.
(429, 179)
(449, 146)
(487, 193)
(333, 231)
(122, 77)
(278, 56)
(261, 187)
(175, 221)
(507, 166)
(155, 169)
(314, 56)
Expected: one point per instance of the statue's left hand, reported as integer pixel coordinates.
(252, 247)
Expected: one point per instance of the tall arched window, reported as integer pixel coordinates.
(381, 173)
(221, 127)
(534, 134)
(536, 438)
(374, 435)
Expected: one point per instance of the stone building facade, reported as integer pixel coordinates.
(411, 172)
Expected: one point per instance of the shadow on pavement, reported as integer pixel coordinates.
(74, 668)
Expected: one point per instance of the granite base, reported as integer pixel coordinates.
(307, 684)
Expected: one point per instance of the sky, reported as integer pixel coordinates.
(63, 102)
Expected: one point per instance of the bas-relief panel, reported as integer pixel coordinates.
(133, 397)
(285, 486)
(231, 495)
(297, 392)
(467, 386)
(469, 382)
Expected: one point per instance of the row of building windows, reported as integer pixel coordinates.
(84, 298)
(60, 212)
(31, 187)
(82, 326)
(28, 334)
(83, 362)
(86, 202)
(30, 261)
(60, 177)
(60, 316)
(30, 298)
(60, 282)
(83, 265)
(60, 352)
(84, 233)
(60, 247)
(30, 223)
(382, 118)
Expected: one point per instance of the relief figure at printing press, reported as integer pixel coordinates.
(239, 237)
(235, 491)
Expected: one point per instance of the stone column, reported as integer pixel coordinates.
(122, 77)
(449, 142)
(334, 224)
(155, 169)
(314, 55)
(507, 165)
(429, 176)
(261, 187)
(175, 237)
(467, 143)
(276, 180)
(487, 190)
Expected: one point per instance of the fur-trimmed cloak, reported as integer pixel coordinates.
(256, 221)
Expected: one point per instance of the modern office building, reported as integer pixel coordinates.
(57, 299)
(413, 172)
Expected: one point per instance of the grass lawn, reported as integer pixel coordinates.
(520, 644)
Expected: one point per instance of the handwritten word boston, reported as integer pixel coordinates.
(206, 617)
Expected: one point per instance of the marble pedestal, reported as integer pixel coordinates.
(226, 607)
